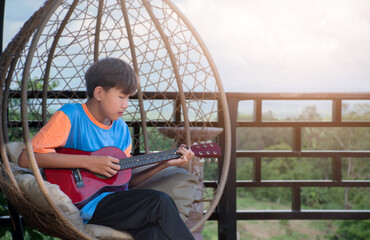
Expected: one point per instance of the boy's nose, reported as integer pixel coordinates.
(125, 105)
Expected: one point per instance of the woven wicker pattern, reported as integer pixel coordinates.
(179, 85)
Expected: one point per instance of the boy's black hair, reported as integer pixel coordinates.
(109, 73)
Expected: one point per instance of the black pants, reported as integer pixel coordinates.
(145, 214)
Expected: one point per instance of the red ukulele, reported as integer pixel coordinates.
(81, 185)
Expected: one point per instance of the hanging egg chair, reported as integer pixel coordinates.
(179, 98)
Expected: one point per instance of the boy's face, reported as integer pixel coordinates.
(114, 103)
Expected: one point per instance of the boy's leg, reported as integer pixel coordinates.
(151, 232)
(137, 209)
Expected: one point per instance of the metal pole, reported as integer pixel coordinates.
(227, 205)
(2, 13)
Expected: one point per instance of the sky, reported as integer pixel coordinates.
(270, 45)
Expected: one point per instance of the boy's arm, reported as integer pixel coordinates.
(140, 177)
(54, 135)
(104, 165)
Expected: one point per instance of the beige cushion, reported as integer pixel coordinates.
(13, 150)
(176, 182)
(102, 232)
(28, 184)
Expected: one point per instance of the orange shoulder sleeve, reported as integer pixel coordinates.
(128, 151)
(53, 135)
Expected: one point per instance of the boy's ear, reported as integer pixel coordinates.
(98, 93)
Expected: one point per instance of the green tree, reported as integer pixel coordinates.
(353, 230)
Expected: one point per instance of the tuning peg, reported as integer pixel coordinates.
(216, 160)
(209, 160)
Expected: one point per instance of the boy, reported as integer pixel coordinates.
(146, 214)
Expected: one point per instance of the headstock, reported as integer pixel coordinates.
(207, 150)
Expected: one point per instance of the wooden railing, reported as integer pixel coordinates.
(227, 214)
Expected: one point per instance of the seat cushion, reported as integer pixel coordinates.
(178, 183)
(29, 186)
(103, 232)
(14, 149)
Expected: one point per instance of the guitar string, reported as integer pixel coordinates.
(155, 157)
(147, 159)
(131, 162)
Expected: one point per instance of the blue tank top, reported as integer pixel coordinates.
(87, 136)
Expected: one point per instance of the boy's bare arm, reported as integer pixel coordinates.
(104, 165)
(140, 177)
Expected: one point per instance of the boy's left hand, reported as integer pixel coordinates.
(186, 156)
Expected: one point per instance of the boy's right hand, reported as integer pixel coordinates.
(104, 165)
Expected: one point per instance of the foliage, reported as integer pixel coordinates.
(29, 234)
(287, 168)
(353, 230)
(15, 133)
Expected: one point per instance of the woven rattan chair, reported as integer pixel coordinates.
(43, 68)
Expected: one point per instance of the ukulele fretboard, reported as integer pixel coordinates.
(146, 159)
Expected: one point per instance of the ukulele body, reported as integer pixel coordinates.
(92, 185)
